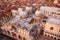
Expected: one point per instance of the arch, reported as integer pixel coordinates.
(51, 36)
(13, 34)
(45, 34)
(58, 39)
(48, 35)
(54, 38)
(8, 32)
(24, 38)
(19, 36)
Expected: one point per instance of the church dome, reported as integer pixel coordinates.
(37, 13)
(28, 8)
(20, 9)
(23, 14)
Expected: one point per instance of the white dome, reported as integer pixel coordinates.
(23, 14)
(20, 9)
(37, 13)
(34, 4)
(28, 8)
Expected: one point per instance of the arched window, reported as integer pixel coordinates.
(48, 35)
(51, 28)
(13, 34)
(58, 39)
(14, 28)
(8, 32)
(24, 38)
(51, 36)
(55, 38)
(59, 30)
(19, 36)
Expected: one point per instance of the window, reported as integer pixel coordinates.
(8, 32)
(48, 35)
(45, 34)
(44, 11)
(58, 13)
(51, 28)
(53, 13)
(59, 30)
(14, 28)
(59, 1)
(58, 39)
(59, 35)
(24, 39)
(51, 36)
(44, 21)
(45, 17)
(19, 36)
(55, 38)
(13, 34)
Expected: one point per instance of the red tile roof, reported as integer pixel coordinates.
(52, 4)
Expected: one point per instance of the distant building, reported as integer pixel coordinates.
(50, 11)
(52, 28)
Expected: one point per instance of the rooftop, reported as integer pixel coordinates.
(54, 20)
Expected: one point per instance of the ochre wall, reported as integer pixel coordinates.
(55, 30)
